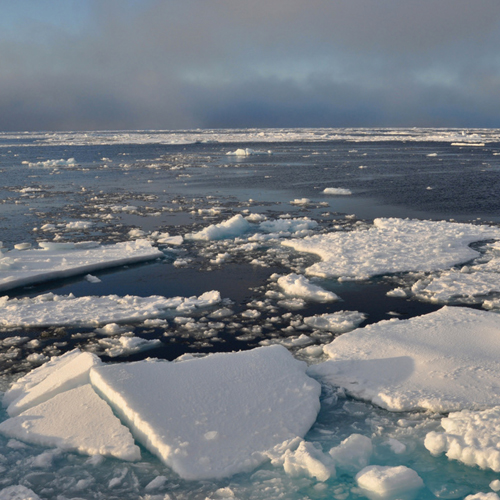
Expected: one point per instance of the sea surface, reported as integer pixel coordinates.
(180, 182)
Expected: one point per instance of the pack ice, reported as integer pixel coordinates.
(61, 260)
(215, 416)
(444, 361)
(391, 246)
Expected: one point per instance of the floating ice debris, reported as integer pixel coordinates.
(233, 227)
(337, 191)
(125, 345)
(483, 496)
(299, 286)
(447, 360)
(337, 322)
(77, 420)
(214, 416)
(391, 246)
(51, 310)
(300, 201)
(170, 240)
(52, 163)
(79, 224)
(385, 481)
(246, 152)
(353, 453)
(57, 375)
(471, 437)
(288, 225)
(61, 260)
(92, 279)
(18, 492)
(452, 285)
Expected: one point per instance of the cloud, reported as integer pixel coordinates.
(222, 63)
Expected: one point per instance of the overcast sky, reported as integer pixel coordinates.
(170, 64)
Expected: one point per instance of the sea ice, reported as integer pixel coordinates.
(51, 310)
(125, 345)
(447, 360)
(61, 260)
(471, 437)
(60, 374)
(337, 191)
(235, 226)
(18, 492)
(337, 322)
(299, 286)
(77, 420)
(353, 453)
(215, 416)
(385, 481)
(391, 246)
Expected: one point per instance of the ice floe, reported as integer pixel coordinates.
(61, 260)
(77, 420)
(215, 416)
(379, 481)
(235, 226)
(299, 286)
(337, 322)
(392, 246)
(51, 310)
(337, 191)
(447, 360)
(471, 437)
(60, 374)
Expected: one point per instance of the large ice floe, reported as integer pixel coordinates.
(208, 417)
(61, 260)
(51, 310)
(447, 360)
(216, 416)
(392, 246)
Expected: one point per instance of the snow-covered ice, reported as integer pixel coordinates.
(392, 246)
(235, 226)
(60, 374)
(388, 482)
(18, 492)
(62, 260)
(296, 285)
(353, 453)
(50, 309)
(337, 322)
(471, 437)
(215, 416)
(337, 191)
(76, 420)
(443, 361)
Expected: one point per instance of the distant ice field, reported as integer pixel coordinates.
(316, 252)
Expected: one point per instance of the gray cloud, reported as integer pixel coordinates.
(223, 63)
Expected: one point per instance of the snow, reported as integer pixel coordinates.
(447, 360)
(471, 437)
(385, 481)
(61, 260)
(235, 226)
(76, 420)
(57, 375)
(51, 310)
(215, 416)
(392, 246)
(337, 322)
(299, 286)
(337, 191)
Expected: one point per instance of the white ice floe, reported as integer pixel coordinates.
(246, 152)
(353, 453)
(18, 492)
(295, 285)
(61, 260)
(70, 162)
(447, 360)
(51, 310)
(388, 482)
(79, 225)
(471, 437)
(233, 227)
(215, 416)
(126, 345)
(76, 420)
(391, 246)
(455, 285)
(337, 191)
(337, 322)
(60, 374)
(483, 496)
(284, 226)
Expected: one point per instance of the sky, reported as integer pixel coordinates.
(184, 64)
